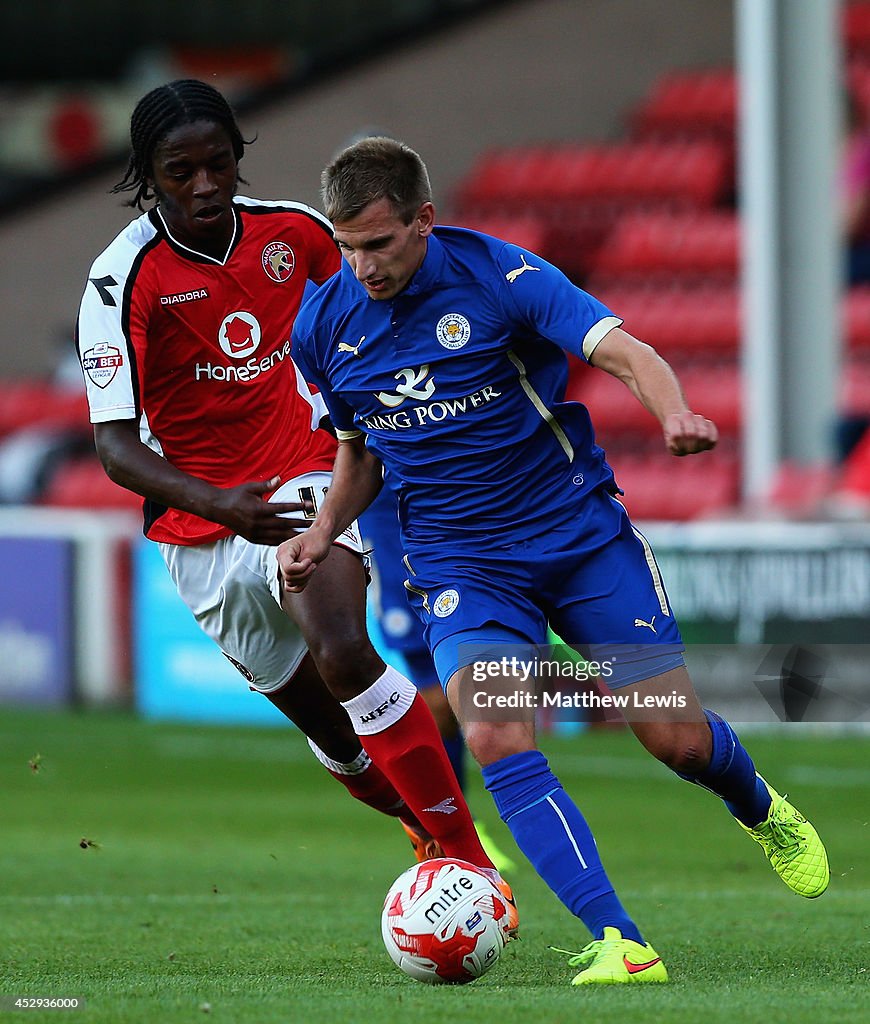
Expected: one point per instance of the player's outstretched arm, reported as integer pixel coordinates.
(357, 478)
(132, 464)
(655, 385)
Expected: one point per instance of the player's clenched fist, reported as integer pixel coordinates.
(298, 558)
(687, 433)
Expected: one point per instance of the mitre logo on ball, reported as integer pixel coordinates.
(444, 922)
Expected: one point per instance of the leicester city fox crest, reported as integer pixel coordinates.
(453, 331)
(446, 603)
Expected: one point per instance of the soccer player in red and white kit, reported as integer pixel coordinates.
(184, 337)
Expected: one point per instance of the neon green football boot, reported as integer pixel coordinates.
(614, 960)
(498, 856)
(793, 847)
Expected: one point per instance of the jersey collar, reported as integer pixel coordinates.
(157, 220)
(429, 274)
(426, 279)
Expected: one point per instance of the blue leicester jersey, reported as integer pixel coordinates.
(459, 382)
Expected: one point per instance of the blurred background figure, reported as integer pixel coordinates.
(856, 192)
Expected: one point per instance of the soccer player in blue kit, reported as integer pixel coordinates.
(439, 352)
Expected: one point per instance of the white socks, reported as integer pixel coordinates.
(382, 704)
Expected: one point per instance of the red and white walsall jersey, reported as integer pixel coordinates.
(198, 350)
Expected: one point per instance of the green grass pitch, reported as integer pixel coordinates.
(172, 873)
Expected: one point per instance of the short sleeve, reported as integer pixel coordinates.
(304, 355)
(325, 257)
(105, 350)
(546, 302)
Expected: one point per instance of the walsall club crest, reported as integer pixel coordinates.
(279, 261)
(101, 363)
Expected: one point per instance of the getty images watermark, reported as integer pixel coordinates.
(749, 682)
(527, 673)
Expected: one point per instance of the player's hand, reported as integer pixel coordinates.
(299, 556)
(246, 512)
(687, 433)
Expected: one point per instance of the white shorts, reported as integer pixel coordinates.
(232, 587)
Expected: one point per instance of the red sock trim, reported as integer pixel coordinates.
(410, 753)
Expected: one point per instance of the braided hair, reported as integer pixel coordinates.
(161, 111)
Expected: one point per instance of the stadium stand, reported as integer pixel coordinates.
(82, 483)
(800, 490)
(648, 223)
(700, 246)
(578, 193)
(700, 323)
(32, 403)
(856, 30)
(682, 490)
(689, 105)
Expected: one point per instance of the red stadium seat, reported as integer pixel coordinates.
(801, 489)
(526, 232)
(687, 174)
(856, 318)
(715, 392)
(712, 390)
(856, 28)
(33, 403)
(504, 174)
(681, 324)
(661, 246)
(83, 484)
(858, 83)
(578, 192)
(689, 104)
(667, 488)
(613, 408)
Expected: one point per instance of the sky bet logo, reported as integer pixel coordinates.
(101, 363)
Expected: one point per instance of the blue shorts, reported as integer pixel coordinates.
(594, 579)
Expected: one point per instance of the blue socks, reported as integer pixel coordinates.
(554, 836)
(731, 775)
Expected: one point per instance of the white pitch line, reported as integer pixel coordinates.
(808, 775)
(269, 749)
(81, 899)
